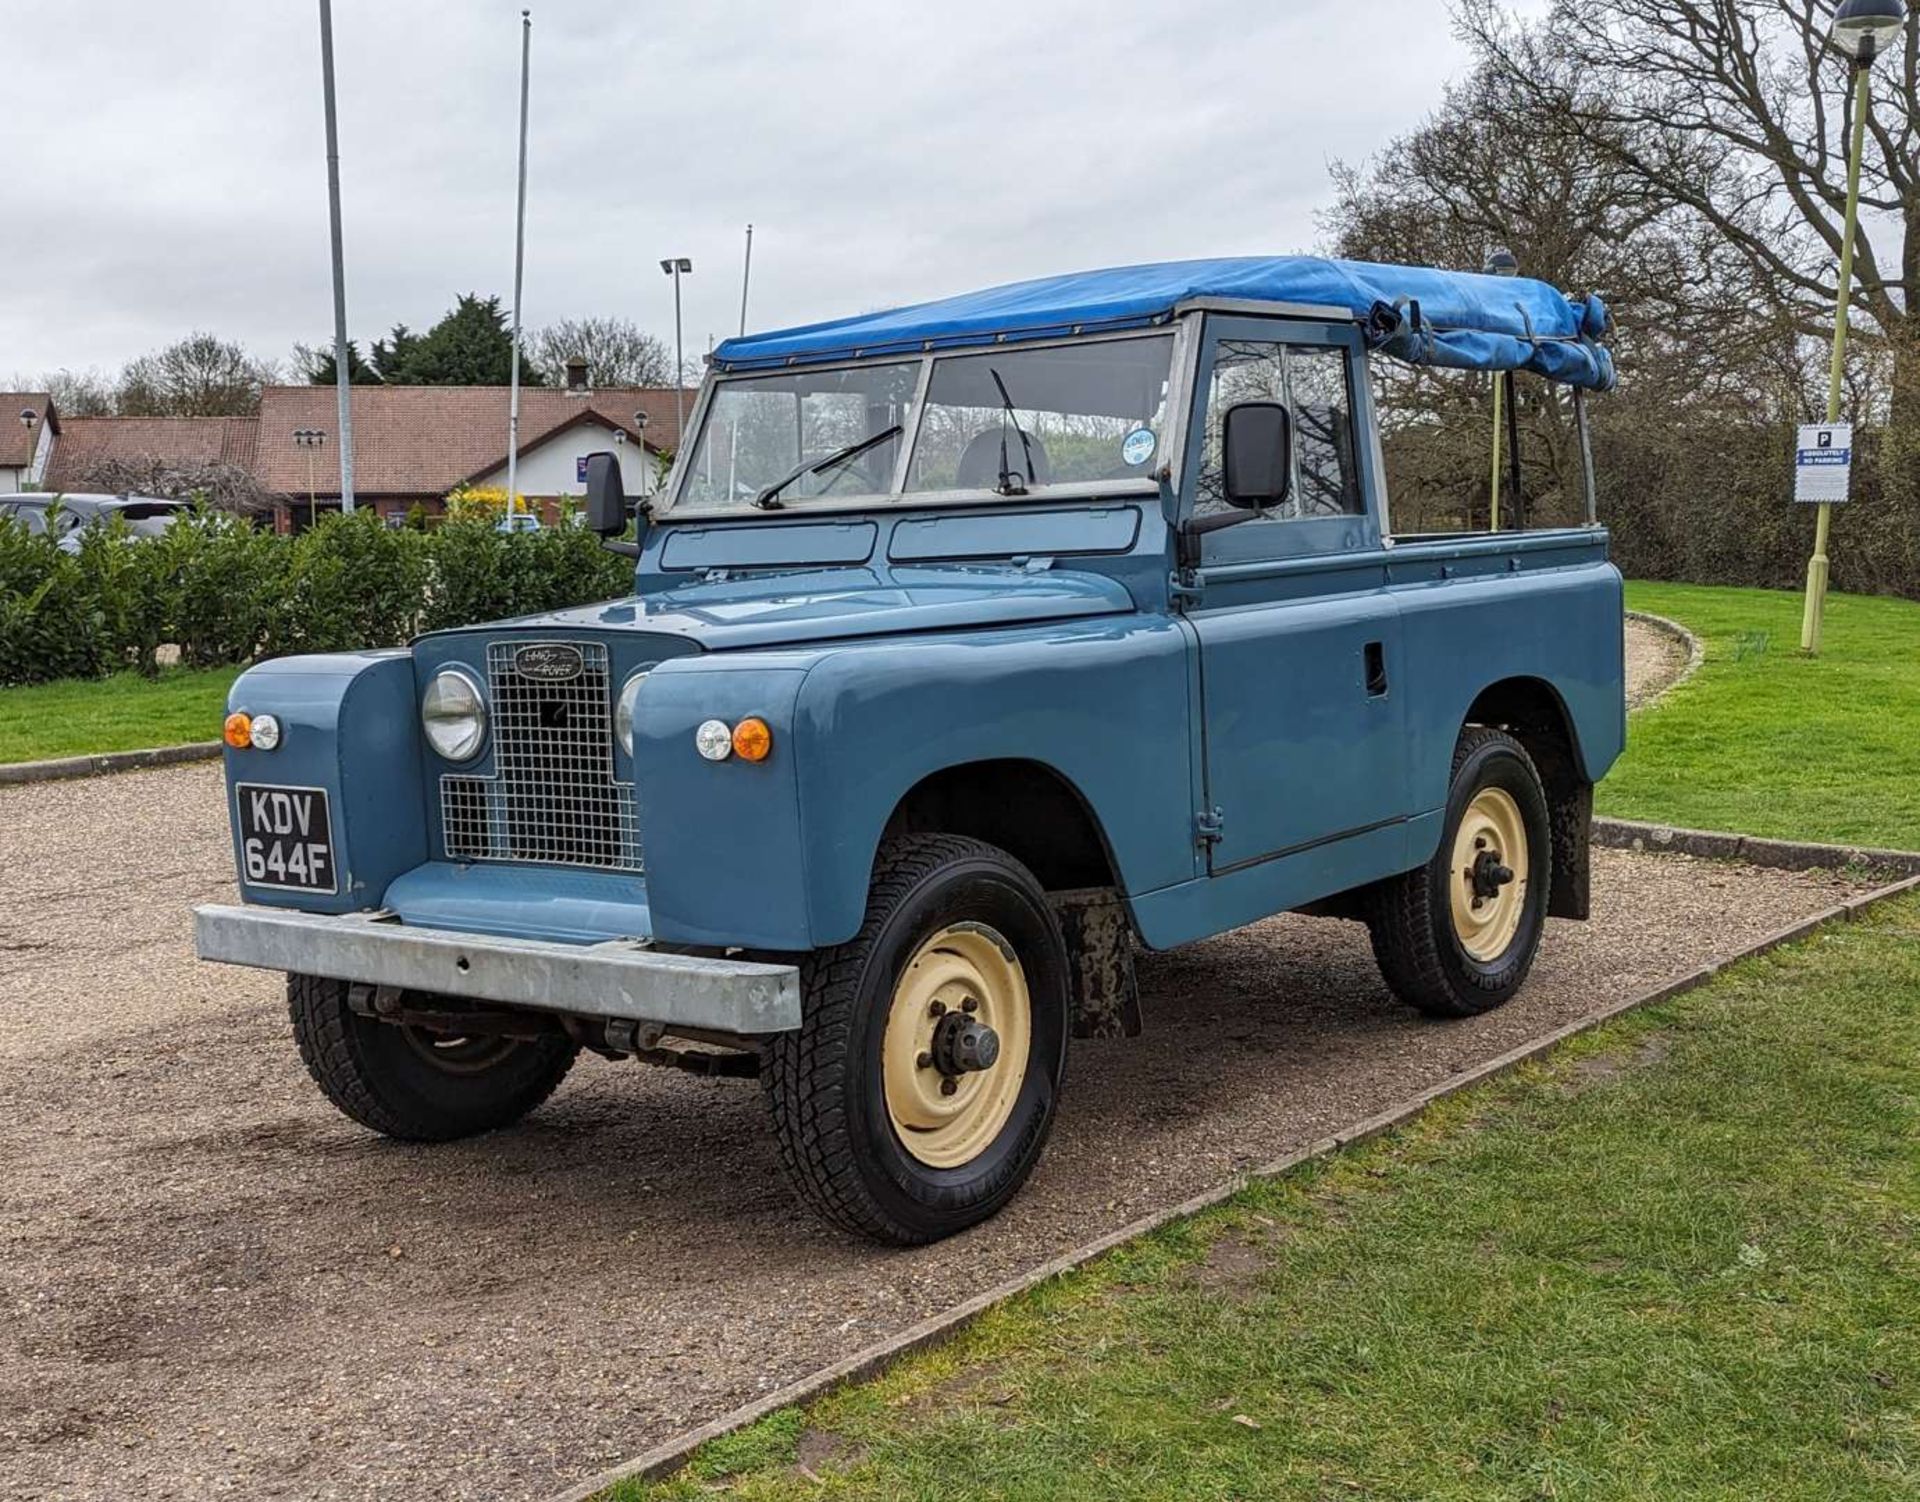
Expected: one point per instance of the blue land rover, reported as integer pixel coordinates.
(973, 646)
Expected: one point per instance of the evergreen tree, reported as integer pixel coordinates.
(316, 364)
(470, 346)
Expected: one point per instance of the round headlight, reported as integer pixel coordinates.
(266, 732)
(454, 715)
(623, 710)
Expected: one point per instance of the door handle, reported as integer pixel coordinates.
(1376, 656)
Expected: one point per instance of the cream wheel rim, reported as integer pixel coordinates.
(1491, 844)
(948, 1119)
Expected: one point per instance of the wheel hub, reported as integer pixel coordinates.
(962, 1045)
(1488, 876)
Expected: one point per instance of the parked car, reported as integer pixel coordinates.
(972, 646)
(67, 516)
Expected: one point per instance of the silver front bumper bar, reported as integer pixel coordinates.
(620, 979)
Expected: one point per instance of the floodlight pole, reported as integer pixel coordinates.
(342, 381)
(1817, 566)
(519, 269)
(746, 279)
(673, 266)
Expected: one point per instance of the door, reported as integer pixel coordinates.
(1299, 639)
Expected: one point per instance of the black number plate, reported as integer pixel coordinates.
(286, 838)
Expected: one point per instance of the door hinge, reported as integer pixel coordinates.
(1209, 827)
(1182, 588)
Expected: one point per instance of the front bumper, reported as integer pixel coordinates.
(618, 979)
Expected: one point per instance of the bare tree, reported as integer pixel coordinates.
(225, 486)
(199, 376)
(617, 351)
(75, 393)
(1733, 112)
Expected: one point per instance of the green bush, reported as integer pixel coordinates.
(227, 592)
(350, 582)
(52, 623)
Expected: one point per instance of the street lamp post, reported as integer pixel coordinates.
(673, 266)
(28, 417)
(1501, 262)
(310, 439)
(1862, 30)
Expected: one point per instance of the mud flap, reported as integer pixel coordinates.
(1106, 991)
(1571, 816)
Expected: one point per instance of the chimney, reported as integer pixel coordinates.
(577, 376)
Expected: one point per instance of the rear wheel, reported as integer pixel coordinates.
(917, 1093)
(414, 1083)
(1457, 936)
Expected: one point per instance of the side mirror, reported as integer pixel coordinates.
(1257, 454)
(607, 513)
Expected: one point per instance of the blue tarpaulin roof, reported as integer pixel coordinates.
(1462, 320)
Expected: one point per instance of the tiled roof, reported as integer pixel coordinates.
(425, 440)
(182, 442)
(17, 440)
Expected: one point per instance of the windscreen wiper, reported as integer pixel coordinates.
(1010, 482)
(769, 499)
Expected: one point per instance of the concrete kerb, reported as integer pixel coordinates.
(663, 1460)
(1752, 850)
(111, 761)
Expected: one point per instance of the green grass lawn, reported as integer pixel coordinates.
(124, 713)
(1765, 741)
(1678, 1259)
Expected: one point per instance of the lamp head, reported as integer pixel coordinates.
(1502, 262)
(28, 417)
(1863, 29)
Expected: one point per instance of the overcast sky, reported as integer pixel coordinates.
(167, 171)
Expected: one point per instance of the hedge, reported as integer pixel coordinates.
(225, 591)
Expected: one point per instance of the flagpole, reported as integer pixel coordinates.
(342, 380)
(519, 268)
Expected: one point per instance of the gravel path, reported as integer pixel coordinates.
(1654, 661)
(212, 1284)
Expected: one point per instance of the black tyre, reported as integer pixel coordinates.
(917, 1093)
(413, 1084)
(1457, 936)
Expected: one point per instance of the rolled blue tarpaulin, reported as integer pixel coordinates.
(1456, 319)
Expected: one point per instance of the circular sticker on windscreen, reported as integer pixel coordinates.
(1138, 448)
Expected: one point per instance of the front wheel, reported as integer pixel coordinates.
(1457, 936)
(420, 1086)
(917, 1093)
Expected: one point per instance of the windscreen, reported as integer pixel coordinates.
(1011, 421)
(759, 431)
(1014, 420)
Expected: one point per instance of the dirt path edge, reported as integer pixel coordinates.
(663, 1460)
